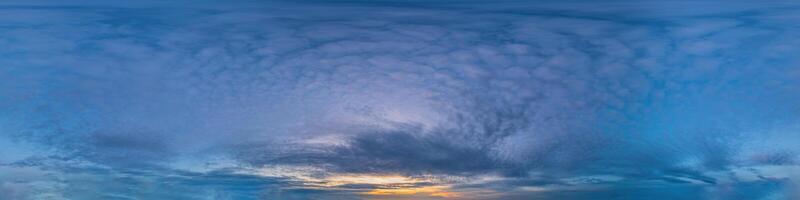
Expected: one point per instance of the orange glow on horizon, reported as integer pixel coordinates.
(386, 185)
(434, 191)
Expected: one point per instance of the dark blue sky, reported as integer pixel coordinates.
(575, 100)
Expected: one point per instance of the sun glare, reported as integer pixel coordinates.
(435, 191)
(392, 185)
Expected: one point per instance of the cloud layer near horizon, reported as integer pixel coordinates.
(256, 100)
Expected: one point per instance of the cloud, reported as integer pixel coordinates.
(591, 98)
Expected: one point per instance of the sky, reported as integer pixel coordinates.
(380, 100)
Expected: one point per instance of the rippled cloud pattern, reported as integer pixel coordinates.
(388, 99)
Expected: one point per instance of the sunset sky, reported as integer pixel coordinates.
(390, 99)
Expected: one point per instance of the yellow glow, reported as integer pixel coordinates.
(370, 179)
(385, 184)
(392, 185)
(436, 191)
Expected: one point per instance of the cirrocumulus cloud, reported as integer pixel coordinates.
(399, 100)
